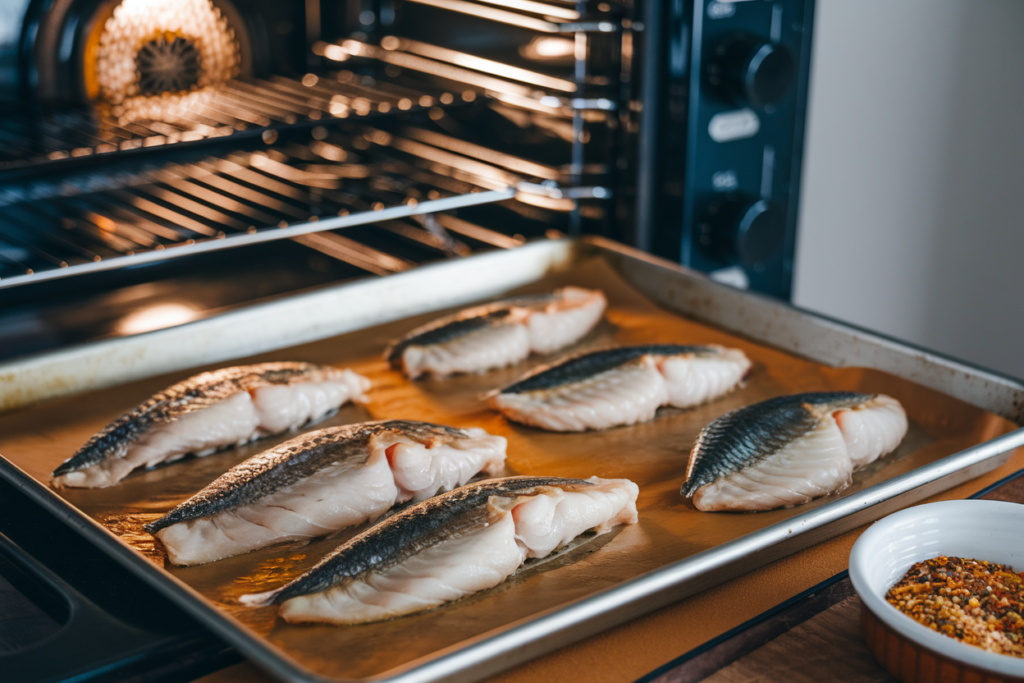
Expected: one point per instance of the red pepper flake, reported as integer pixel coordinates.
(974, 601)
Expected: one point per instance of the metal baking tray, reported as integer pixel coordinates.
(963, 423)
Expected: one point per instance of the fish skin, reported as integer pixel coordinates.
(621, 386)
(498, 334)
(587, 365)
(295, 460)
(789, 450)
(748, 435)
(389, 543)
(183, 398)
(464, 322)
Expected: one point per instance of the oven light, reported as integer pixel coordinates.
(156, 317)
(156, 47)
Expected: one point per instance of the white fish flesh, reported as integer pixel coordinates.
(498, 334)
(324, 481)
(451, 546)
(210, 411)
(621, 386)
(791, 449)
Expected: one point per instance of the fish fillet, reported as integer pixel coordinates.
(205, 413)
(324, 481)
(621, 386)
(451, 546)
(498, 334)
(790, 450)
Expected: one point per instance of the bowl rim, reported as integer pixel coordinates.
(933, 641)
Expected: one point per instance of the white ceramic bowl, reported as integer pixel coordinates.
(977, 529)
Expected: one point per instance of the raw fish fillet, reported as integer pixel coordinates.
(621, 386)
(497, 334)
(451, 546)
(205, 413)
(324, 481)
(791, 449)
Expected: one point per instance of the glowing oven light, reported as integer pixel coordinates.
(156, 317)
(153, 47)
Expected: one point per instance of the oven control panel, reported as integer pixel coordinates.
(748, 93)
(733, 138)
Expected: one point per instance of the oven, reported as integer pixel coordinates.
(163, 160)
(167, 161)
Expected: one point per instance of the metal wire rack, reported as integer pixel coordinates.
(255, 106)
(304, 184)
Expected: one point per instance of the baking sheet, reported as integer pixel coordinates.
(653, 455)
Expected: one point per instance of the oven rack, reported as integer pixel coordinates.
(264, 106)
(253, 106)
(472, 75)
(302, 186)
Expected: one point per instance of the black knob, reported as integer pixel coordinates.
(752, 70)
(749, 232)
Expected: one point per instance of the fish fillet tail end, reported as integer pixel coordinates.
(260, 599)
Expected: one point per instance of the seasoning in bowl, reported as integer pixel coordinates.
(974, 601)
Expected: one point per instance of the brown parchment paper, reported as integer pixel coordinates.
(654, 455)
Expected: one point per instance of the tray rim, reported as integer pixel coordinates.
(532, 636)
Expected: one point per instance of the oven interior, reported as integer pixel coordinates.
(165, 160)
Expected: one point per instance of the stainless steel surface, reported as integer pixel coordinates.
(918, 472)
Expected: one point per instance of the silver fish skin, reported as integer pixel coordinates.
(497, 334)
(789, 450)
(210, 411)
(321, 482)
(450, 546)
(621, 386)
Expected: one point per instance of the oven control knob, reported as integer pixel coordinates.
(748, 232)
(752, 70)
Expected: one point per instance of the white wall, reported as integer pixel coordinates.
(911, 220)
